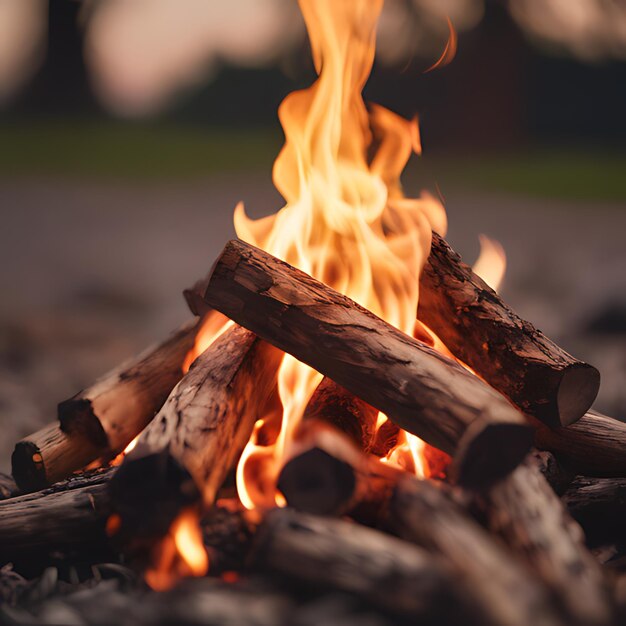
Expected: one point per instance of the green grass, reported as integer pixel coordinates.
(84, 149)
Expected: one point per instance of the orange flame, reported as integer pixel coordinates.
(449, 52)
(491, 262)
(180, 553)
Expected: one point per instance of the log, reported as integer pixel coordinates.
(502, 590)
(336, 554)
(508, 352)
(50, 455)
(8, 488)
(524, 510)
(183, 456)
(419, 389)
(593, 446)
(334, 404)
(599, 506)
(71, 513)
(557, 476)
(116, 408)
(327, 474)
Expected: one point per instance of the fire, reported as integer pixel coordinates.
(449, 52)
(491, 262)
(180, 553)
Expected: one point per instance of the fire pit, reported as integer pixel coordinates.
(355, 428)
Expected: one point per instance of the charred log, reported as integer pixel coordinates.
(422, 391)
(593, 446)
(50, 455)
(528, 515)
(508, 352)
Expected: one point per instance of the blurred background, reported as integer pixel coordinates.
(129, 129)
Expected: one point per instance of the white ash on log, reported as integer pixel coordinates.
(507, 351)
(524, 510)
(419, 389)
(502, 589)
(593, 446)
(185, 453)
(337, 554)
(50, 455)
(118, 406)
(599, 506)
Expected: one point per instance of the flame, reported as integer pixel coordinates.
(449, 52)
(346, 220)
(180, 553)
(491, 262)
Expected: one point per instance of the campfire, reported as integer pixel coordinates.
(352, 407)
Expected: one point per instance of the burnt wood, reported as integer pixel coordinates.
(185, 453)
(336, 554)
(599, 506)
(508, 352)
(50, 455)
(422, 391)
(118, 406)
(524, 510)
(593, 446)
(502, 590)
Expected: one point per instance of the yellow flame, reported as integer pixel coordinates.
(491, 262)
(346, 220)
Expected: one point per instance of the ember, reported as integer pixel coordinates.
(345, 363)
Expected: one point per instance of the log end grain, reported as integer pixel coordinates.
(576, 393)
(76, 416)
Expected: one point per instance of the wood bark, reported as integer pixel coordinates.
(334, 404)
(502, 590)
(524, 510)
(593, 446)
(188, 449)
(558, 477)
(508, 352)
(337, 554)
(422, 391)
(599, 506)
(50, 455)
(117, 407)
(327, 474)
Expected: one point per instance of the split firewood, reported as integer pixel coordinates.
(326, 473)
(502, 589)
(183, 456)
(508, 352)
(593, 446)
(332, 403)
(50, 455)
(599, 506)
(117, 407)
(336, 554)
(422, 391)
(528, 515)
(71, 513)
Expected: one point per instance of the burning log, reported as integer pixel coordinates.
(184, 455)
(328, 475)
(332, 403)
(529, 516)
(502, 590)
(50, 455)
(422, 391)
(509, 353)
(593, 446)
(117, 407)
(383, 570)
(71, 513)
(599, 506)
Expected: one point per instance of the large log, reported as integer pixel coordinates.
(508, 352)
(593, 446)
(50, 455)
(380, 569)
(118, 406)
(422, 391)
(524, 510)
(503, 591)
(599, 506)
(184, 455)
